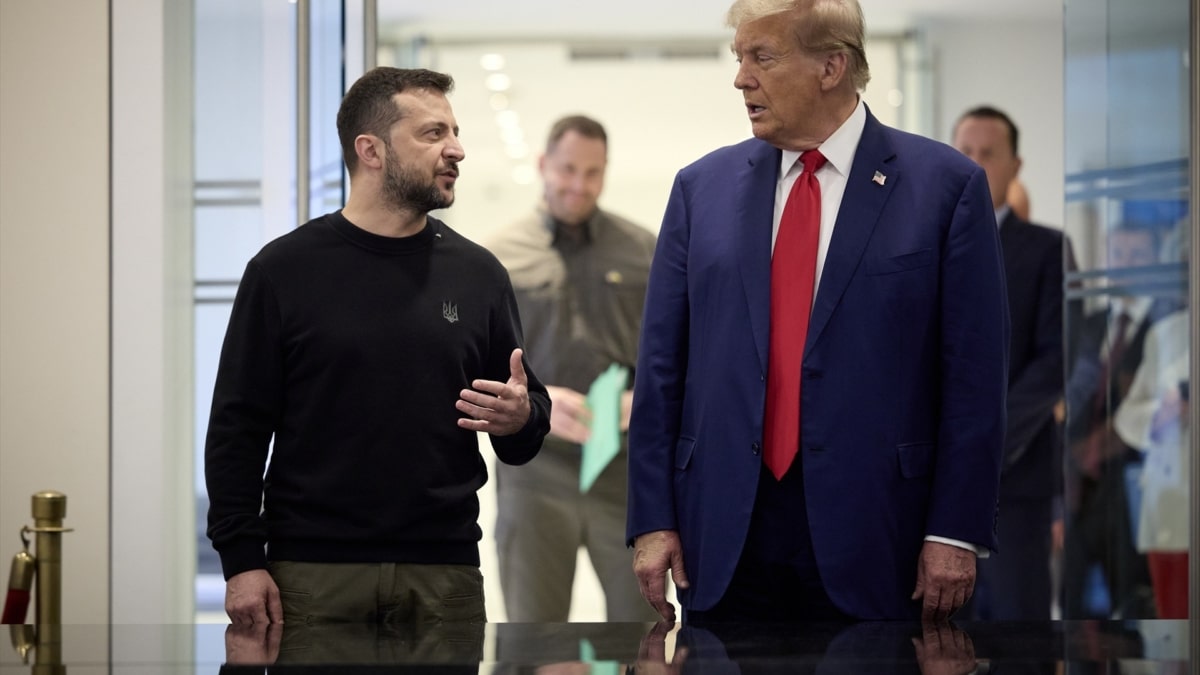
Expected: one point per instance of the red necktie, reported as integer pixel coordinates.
(793, 271)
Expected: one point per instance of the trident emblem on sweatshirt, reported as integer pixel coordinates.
(450, 312)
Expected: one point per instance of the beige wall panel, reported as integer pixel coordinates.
(54, 282)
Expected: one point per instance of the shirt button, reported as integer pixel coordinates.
(755, 447)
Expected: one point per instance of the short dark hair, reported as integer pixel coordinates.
(368, 107)
(580, 124)
(990, 113)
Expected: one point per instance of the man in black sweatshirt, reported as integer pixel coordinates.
(371, 344)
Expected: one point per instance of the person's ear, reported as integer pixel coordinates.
(370, 151)
(834, 70)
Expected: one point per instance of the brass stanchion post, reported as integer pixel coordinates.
(49, 509)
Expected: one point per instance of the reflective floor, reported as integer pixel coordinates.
(1132, 647)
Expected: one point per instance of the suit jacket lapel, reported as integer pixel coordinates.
(862, 204)
(755, 212)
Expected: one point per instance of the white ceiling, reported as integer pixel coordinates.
(662, 18)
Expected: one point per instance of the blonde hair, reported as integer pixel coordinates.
(821, 26)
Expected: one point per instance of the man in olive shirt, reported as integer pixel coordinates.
(580, 275)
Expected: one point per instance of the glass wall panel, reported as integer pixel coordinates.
(245, 168)
(328, 82)
(1127, 450)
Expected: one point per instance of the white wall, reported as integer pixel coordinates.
(660, 115)
(54, 284)
(1016, 66)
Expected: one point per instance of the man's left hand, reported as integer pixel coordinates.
(945, 580)
(497, 408)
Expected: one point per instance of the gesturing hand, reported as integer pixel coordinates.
(498, 408)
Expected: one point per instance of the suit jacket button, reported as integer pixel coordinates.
(755, 447)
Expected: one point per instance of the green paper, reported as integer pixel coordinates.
(604, 400)
(587, 654)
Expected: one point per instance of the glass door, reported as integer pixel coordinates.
(1130, 217)
(248, 58)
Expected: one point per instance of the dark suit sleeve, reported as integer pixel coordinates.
(974, 373)
(1037, 386)
(661, 373)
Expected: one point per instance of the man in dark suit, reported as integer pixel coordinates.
(1103, 357)
(1015, 584)
(820, 414)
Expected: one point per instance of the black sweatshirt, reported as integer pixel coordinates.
(351, 350)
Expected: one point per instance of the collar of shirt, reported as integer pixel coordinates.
(560, 232)
(839, 150)
(1137, 308)
(1001, 214)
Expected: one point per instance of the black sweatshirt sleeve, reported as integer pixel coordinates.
(507, 335)
(246, 408)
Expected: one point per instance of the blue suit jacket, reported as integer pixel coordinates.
(904, 370)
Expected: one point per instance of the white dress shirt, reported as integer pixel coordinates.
(839, 150)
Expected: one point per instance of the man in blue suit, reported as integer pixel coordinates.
(1015, 585)
(887, 492)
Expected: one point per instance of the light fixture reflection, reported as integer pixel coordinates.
(506, 119)
(498, 82)
(491, 61)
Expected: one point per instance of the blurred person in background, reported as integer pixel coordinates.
(1103, 357)
(1015, 583)
(1153, 419)
(579, 273)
